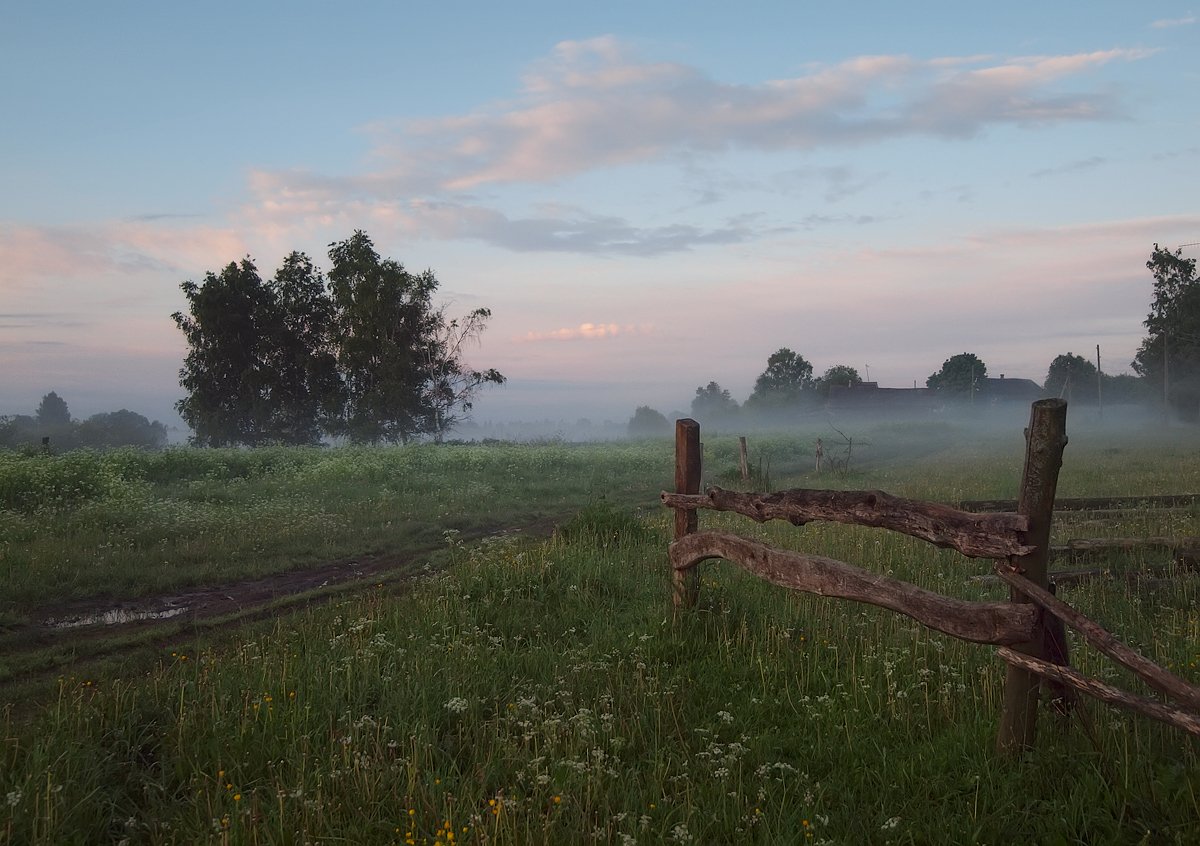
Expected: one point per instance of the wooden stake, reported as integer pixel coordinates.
(743, 459)
(686, 583)
(1045, 440)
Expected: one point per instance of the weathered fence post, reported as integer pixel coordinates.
(1044, 442)
(686, 583)
(743, 459)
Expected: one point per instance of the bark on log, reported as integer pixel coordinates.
(1176, 717)
(1090, 503)
(1154, 675)
(975, 535)
(980, 622)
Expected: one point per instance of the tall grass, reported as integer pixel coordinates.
(545, 693)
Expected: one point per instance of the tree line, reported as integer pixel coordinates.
(51, 426)
(360, 352)
(1167, 367)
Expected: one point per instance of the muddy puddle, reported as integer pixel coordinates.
(114, 617)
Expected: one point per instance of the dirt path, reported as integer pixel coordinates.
(94, 628)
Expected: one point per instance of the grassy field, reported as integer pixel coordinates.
(542, 691)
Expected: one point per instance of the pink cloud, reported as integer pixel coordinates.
(588, 332)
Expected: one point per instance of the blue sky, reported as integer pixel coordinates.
(648, 196)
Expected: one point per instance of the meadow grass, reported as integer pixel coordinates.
(544, 692)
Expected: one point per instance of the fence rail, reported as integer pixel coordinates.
(1028, 629)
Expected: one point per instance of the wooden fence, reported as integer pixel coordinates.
(1028, 629)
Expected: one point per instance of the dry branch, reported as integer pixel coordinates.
(981, 622)
(1176, 717)
(976, 535)
(1104, 641)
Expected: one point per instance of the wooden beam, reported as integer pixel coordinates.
(688, 468)
(1104, 692)
(1045, 440)
(1154, 675)
(980, 622)
(976, 535)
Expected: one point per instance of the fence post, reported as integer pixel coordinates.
(743, 459)
(1044, 442)
(686, 583)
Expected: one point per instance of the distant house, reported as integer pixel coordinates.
(1010, 390)
(868, 397)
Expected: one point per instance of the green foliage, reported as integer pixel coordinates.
(648, 423)
(714, 406)
(228, 373)
(783, 385)
(53, 412)
(122, 428)
(1173, 331)
(384, 321)
(361, 354)
(106, 430)
(1073, 378)
(961, 377)
(839, 374)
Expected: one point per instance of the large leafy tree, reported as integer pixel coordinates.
(784, 384)
(1170, 354)
(960, 377)
(360, 352)
(228, 374)
(1072, 377)
(385, 321)
(306, 393)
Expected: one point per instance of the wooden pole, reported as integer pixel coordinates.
(1099, 385)
(1044, 442)
(743, 459)
(686, 583)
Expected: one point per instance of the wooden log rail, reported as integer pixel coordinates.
(1028, 628)
(980, 622)
(995, 536)
(1154, 675)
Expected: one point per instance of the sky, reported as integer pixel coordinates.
(649, 196)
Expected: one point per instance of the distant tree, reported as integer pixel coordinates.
(648, 423)
(961, 376)
(1125, 388)
(229, 371)
(784, 384)
(451, 384)
(1173, 332)
(122, 428)
(839, 374)
(1073, 378)
(19, 430)
(385, 320)
(714, 405)
(52, 412)
(359, 352)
